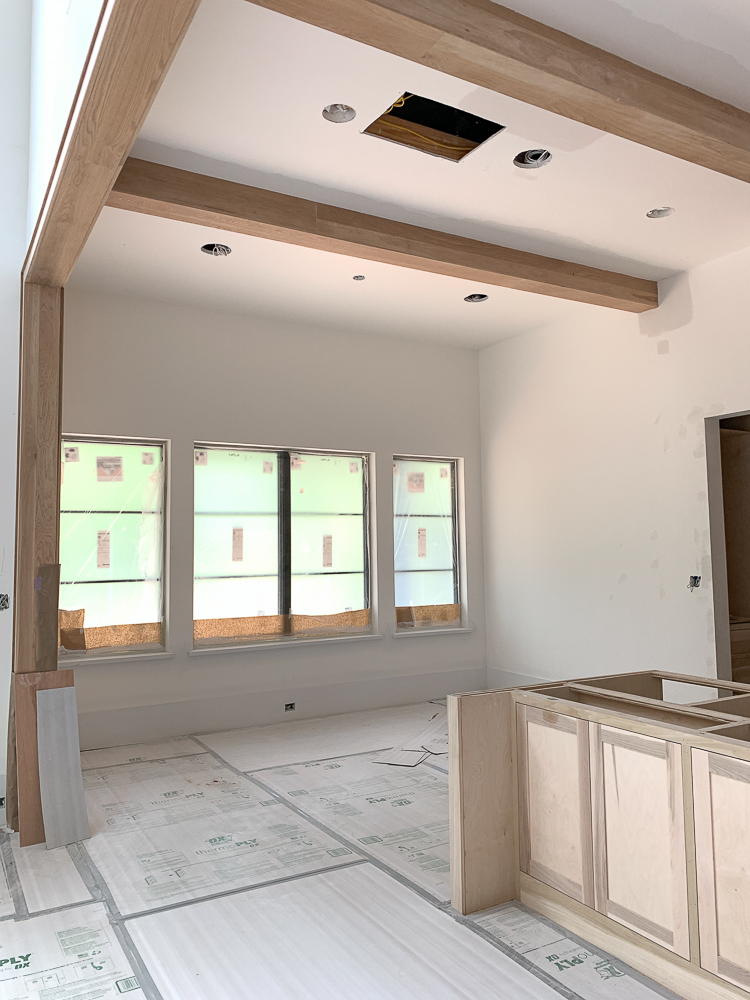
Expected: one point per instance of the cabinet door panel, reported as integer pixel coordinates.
(555, 801)
(721, 790)
(640, 873)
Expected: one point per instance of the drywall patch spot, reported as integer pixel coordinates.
(654, 535)
(695, 415)
(655, 564)
(662, 347)
(699, 451)
(666, 442)
(683, 432)
(662, 593)
(702, 496)
(611, 597)
(623, 578)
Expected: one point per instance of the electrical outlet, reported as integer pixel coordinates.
(4, 602)
(290, 706)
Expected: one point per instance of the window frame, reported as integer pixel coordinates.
(284, 546)
(131, 652)
(459, 547)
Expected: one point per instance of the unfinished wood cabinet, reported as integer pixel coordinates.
(640, 873)
(555, 801)
(721, 791)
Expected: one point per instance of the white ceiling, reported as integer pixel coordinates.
(153, 258)
(704, 44)
(242, 101)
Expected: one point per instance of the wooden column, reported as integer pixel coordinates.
(37, 536)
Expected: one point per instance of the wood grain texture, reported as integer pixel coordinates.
(169, 193)
(38, 484)
(26, 685)
(653, 960)
(134, 47)
(678, 852)
(483, 823)
(494, 47)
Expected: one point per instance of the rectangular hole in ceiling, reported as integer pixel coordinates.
(432, 127)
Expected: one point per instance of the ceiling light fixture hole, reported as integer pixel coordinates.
(358, 277)
(531, 159)
(338, 113)
(660, 213)
(216, 249)
(476, 297)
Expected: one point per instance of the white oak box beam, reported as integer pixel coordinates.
(630, 816)
(494, 47)
(171, 193)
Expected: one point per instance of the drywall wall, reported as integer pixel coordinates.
(15, 34)
(595, 484)
(140, 368)
(61, 37)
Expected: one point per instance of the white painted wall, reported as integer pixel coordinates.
(62, 31)
(15, 35)
(134, 367)
(595, 486)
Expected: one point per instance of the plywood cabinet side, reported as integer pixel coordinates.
(483, 816)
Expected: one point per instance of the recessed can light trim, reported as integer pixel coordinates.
(476, 297)
(660, 213)
(358, 277)
(532, 159)
(216, 249)
(338, 113)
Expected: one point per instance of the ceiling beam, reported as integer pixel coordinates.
(494, 47)
(154, 189)
(135, 43)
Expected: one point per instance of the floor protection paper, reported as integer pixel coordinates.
(580, 968)
(398, 814)
(179, 746)
(70, 955)
(48, 878)
(351, 934)
(173, 830)
(317, 739)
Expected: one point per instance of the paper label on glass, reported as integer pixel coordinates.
(354, 467)
(201, 458)
(102, 550)
(415, 482)
(147, 458)
(443, 473)
(109, 469)
(268, 468)
(395, 468)
(71, 454)
(238, 544)
(296, 463)
(422, 543)
(327, 551)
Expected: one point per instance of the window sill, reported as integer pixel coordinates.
(285, 643)
(431, 631)
(71, 660)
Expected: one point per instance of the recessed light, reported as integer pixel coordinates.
(476, 297)
(659, 213)
(530, 159)
(358, 277)
(338, 113)
(216, 249)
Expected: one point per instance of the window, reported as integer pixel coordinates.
(281, 545)
(111, 544)
(425, 543)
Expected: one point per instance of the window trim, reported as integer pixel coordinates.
(85, 656)
(369, 545)
(459, 546)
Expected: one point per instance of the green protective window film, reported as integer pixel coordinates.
(112, 531)
(425, 533)
(236, 553)
(277, 534)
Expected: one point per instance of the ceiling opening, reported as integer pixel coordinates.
(432, 127)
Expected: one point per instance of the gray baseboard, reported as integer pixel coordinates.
(139, 724)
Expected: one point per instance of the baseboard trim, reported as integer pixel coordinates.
(676, 974)
(139, 724)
